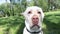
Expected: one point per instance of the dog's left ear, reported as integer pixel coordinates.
(43, 15)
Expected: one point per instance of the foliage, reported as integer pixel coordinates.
(10, 24)
(44, 5)
(11, 10)
(41, 3)
(52, 22)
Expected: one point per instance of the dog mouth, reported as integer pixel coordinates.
(35, 27)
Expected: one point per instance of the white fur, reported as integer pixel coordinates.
(28, 21)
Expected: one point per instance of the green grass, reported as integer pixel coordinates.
(11, 24)
(15, 24)
(52, 22)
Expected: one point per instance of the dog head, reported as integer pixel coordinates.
(33, 17)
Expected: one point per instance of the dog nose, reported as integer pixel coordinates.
(35, 19)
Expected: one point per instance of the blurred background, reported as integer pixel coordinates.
(12, 22)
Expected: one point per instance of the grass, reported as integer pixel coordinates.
(52, 22)
(15, 24)
(11, 25)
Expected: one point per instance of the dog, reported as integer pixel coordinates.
(33, 20)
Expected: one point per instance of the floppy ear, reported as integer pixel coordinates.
(43, 15)
(21, 13)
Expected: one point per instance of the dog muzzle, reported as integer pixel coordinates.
(35, 20)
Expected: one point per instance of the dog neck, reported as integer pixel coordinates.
(34, 31)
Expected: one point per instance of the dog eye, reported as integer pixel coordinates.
(29, 12)
(39, 12)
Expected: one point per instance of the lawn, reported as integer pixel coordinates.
(15, 24)
(52, 22)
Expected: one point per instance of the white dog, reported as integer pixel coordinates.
(33, 20)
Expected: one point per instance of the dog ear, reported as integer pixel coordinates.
(21, 13)
(43, 15)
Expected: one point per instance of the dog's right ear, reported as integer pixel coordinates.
(21, 13)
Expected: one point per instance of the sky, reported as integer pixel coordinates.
(4, 1)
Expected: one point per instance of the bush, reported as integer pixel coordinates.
(52, 22)
(11, 24)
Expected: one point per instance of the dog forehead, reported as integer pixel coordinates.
(33, 8)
